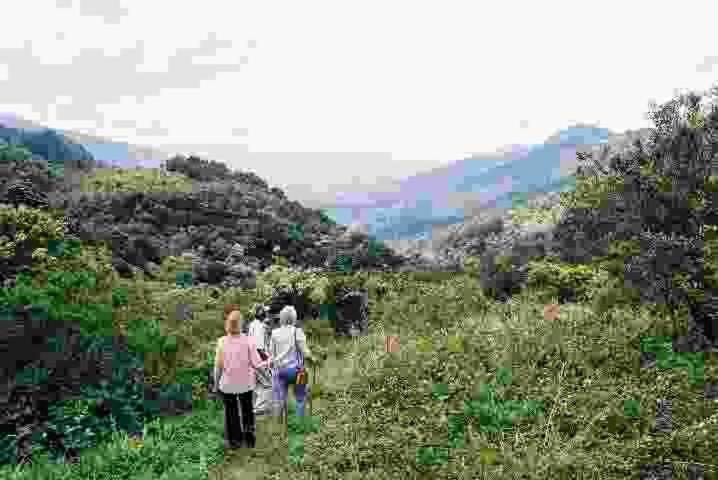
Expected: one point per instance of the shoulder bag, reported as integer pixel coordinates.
(301, 372)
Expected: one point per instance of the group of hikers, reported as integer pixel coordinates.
(254, 367)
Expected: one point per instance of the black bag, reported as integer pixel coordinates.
(262, 354)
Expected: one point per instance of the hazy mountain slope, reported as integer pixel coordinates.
(105, 151)
(462, 189)
(452, 243)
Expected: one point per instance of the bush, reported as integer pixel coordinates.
(31, 227)
(112, 180)
(564, 281)
(536, 215)
(204, 170)
(319, 330)
(658, 196)
(14, 153)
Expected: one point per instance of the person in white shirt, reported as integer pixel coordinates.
(259, 330)
(288, 349)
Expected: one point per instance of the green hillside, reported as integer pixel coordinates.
(533, 386)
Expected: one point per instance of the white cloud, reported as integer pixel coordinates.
(426, 82)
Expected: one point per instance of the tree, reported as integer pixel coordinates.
(661, 195)
(14, 153)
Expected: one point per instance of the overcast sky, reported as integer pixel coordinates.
(323, 92)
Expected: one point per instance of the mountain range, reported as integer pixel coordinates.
(415, 206)
(104, 151)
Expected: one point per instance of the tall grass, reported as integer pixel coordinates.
(381, 417)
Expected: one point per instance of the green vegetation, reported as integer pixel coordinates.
(591, 192)
(374, 405)
(487, 412)
(518, 199)
(549, 277)
(524, 215)
(13, 153)
(138, 180)
(478, 388)
(31, 225)
(296, 232)
(662, 347)
(325, 218)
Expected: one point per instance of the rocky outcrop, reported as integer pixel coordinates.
(24, 193)
(144, 228)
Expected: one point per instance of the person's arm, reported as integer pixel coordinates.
(254, 357)
(218, 364)
(272, 349)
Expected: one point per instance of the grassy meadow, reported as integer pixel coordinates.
(477, 389)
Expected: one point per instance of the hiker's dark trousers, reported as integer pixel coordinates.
(239, 419)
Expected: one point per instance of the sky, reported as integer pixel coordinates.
(316, 95)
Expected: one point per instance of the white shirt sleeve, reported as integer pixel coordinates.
(302, 342)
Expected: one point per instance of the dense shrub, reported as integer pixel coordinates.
(505, 272)
(502, 275)
(24, 236)
(204, 170)
(525, 215)
(659, 195)
(13, 153)
(115, 180)
(564, 281)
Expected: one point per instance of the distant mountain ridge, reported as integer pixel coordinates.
(415, 206)
(452, 193)
(104, 151)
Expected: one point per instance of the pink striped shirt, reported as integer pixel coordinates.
(240, 359)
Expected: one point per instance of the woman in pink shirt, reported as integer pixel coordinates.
(236, 359)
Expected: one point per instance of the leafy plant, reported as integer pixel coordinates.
(63, 248)
(56, 168)
(280, 260)
(119, 297)
(31, 376)
(326, 219)
(184, 279)
(553, 277)
(432, 455)
(472, 265)
(504, 263)
(495, 415)
(440, 391)
(343, 263)
(296, 232)
(112, 180)
(14, 153)
(376, 248)
(525, 215)
(31, 225)
(662, 347)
